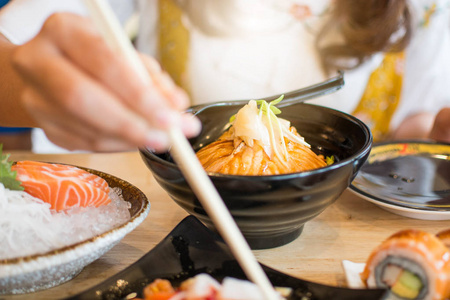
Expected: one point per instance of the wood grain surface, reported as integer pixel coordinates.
(348, 229)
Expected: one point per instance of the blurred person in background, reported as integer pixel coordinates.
(395, 53)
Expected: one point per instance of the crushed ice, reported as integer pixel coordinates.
(28, 226)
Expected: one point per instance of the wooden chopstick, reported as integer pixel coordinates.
(184, 156)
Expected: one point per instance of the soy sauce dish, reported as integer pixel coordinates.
(408, 178)
(271, 210)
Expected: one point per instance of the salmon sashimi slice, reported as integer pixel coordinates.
(62, 186)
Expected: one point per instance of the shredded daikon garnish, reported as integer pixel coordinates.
(22, 214)
(262, 125)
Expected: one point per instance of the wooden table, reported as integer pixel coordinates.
(349, 229)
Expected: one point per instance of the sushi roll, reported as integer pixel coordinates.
(412, 264)
(444, 236)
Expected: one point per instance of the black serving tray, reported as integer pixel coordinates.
(191, 248)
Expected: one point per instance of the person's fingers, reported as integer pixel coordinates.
(111, 69)
(84, 82)
(100, 143)
(76, 95)
(441, 126)
(71, 141)
(50, 115)
(191, 125)
(178, 97)
(65, 131)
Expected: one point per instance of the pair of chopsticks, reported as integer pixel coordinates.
(184, 156)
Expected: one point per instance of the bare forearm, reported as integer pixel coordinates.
(12, 113)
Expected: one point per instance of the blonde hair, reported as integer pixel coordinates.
(367, 27)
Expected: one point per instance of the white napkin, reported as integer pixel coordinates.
(352, 271)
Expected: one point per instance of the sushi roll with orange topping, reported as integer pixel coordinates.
(412, 264)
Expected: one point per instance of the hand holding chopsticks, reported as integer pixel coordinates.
(185, 157)
(69, 82)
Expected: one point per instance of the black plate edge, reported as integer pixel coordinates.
(191, 229)
(382, 201)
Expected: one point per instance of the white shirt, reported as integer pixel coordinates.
(256, 48)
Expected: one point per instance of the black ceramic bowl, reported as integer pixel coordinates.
(272, 210)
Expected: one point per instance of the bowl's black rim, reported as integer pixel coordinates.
(382, 201)
(363, 152)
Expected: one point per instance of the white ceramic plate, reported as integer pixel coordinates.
(37, 272)
(408, 178)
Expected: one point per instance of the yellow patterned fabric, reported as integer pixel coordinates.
(173, 42)
(382, 95)
(429, 12)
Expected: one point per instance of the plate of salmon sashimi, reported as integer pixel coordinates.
(55, 219)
